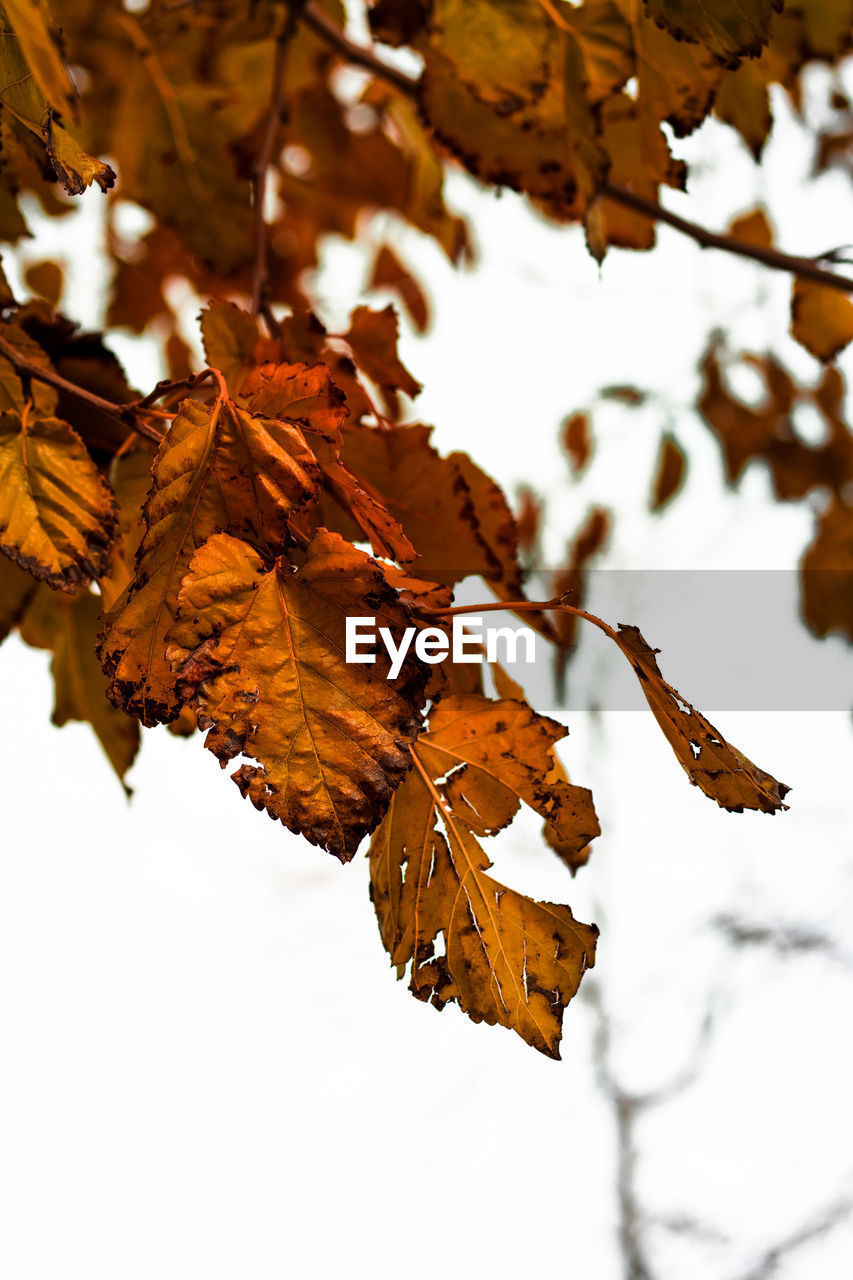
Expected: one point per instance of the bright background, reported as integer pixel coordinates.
(208, 1068)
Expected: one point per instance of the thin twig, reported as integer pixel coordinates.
(166, 386)
(128, 414)
(806, 268)
(275, 119)
(359, 54)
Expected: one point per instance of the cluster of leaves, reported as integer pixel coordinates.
(226, 565)
(190, 556)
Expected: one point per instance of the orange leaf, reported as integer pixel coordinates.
(262, 651)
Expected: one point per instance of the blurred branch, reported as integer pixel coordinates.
(275, 118)
(786, 939)
(769, 1262)
(627, 1108)
(360, 55)
(806, 268)
(128, 414)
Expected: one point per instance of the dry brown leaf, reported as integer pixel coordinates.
(504, 958)
(718, 769)
(219, 467)
(669, 473)
(68, 626)
(57, 513)
(262, 651)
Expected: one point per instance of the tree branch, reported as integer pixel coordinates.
(275, 118)
(128, 414)
(361, 55)
(806, 268)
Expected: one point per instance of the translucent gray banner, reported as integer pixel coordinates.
(729, 640)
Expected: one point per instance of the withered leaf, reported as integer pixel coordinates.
(496, 754)
(309, 396)
(218, 467)
(826, 573)
(230, 337)
(372, 338)
(57, 513)
(68, 626)
(17, 589)
(718, 769)
(388, 272)
(262, 650)
(732, 29)
(506, 959)
(455, 516)
(669, 473)
(576, 439)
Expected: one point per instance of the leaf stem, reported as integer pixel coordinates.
(522, 606)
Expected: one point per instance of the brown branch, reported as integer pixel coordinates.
(359, 54)
(128, 414)
(806, 268)
(275, 119)
(167, 386)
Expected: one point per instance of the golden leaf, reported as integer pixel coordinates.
(218, 467)
(57, 513)
(68, 626)
(506, 959)
(17, 589)
(718, 769)
(456, 517)
(821, 319)
(669, 473)
(262, 649)
(31, 22)
(731, 29)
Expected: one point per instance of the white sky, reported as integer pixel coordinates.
(208, 1068)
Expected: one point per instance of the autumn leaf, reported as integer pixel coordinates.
(821, 319)
(826, 573)
(718, 769)
(753, 228)
(669, 473)
(309, 396)
(57, 513)
(372, 338)
(12, 395)
(388, 272)
(68, 626)
(17, 589)
(505, 958)
(731, 29)
(505, 90)
(218, 467)
(455, 516)
(765, 431)
(262, 648)
(37, 85)
(230, 337)
(496, 754)
(130, 476)
(576, 439)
